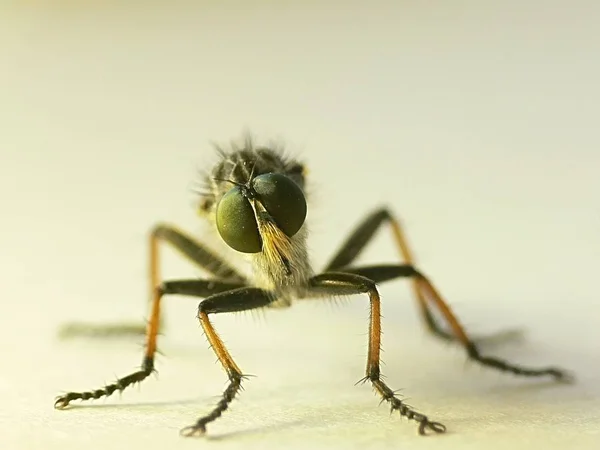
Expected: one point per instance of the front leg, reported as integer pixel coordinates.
(338, 284)
(243, 299)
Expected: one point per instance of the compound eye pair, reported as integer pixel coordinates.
(281, 197)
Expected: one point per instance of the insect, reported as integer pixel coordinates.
(256, 200)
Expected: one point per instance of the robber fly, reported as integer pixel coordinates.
(256, 200)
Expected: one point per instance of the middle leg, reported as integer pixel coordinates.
(381, 273)
(196, 288)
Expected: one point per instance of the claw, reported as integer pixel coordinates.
(61, 402)
(193, 431)
(434, 426)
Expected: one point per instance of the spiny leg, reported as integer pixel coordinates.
(243, 299)
(472, 348)
(334, 284)
(381, 273)
(197, 288)
(194, 251)
(361, 237)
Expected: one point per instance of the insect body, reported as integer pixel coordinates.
(256, 201)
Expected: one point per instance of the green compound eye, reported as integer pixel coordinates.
(236, 222)
(283, 199)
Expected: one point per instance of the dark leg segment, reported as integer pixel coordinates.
(243, 299)
(334, 284)
(471, 347)
(383, 273)
(192, 250)
(359, 239)
(197, 288)
(188, 247)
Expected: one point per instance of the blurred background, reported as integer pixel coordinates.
(476, 122)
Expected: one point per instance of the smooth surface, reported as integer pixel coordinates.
(476, 124)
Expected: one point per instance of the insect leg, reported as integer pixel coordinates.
(383, 273)
(360, 238)
(334, 284)
(188, 247)
(196, 252)
(242, 299)
(197, 288)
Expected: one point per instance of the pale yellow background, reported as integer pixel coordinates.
(477, 122)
